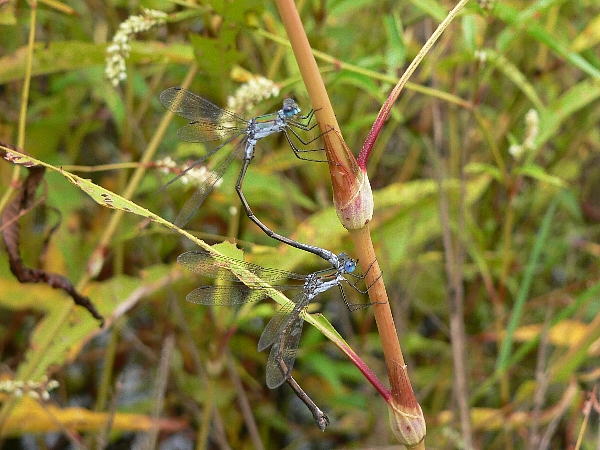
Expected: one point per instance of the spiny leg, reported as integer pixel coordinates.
(307, 120)
(298, 151)
(356, 306)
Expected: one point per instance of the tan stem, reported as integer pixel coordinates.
(377, 294)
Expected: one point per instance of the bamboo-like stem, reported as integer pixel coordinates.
(352, 190)
(406, 416)
(319, 99)
(378, 295)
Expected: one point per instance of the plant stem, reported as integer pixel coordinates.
(362, 239)
(378, 295)
(405, 412)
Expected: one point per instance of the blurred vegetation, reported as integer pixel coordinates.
(516, 190)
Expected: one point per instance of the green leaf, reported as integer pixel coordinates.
(358, 80)
(478, 168)
(346, 7)
(271, 189)
(577, 97)
(72, 55)
(522, 20)
(469, 31)
(589, 37)
(525, 286)
(516, 76)
(432, 8)
(396, 49)
(216, 56)
(540, 174)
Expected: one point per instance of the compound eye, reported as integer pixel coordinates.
(350, 266)
(290, 108)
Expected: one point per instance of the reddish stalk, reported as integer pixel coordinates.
(354, 205)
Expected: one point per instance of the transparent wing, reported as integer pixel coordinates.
(208, 131)
(228, 295)
(210, 121)
(195, 201)
(281, 320)
(195, 164)
(193, 107)
(283, 354)
(218, 267)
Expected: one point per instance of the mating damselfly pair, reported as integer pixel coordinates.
(282, 333)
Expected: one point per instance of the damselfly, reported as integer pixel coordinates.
(210, 123)
(283, 331)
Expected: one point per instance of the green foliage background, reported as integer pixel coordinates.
(524, 229)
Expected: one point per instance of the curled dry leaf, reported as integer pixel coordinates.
(10, 233)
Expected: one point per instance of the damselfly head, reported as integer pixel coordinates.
(346, 263)
(290, 108)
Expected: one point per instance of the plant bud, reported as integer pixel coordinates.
(406, 416)
(352, 195)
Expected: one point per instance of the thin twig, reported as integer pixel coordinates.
(148, 441)
(242, 398)
(454, 259)
(542, 377)
(102, 439)
(455, 297)
(562, 407)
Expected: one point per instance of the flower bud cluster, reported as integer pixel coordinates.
(532, 130)
(39, 390)
(196, 176)
(118, 51)
(255, 90)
